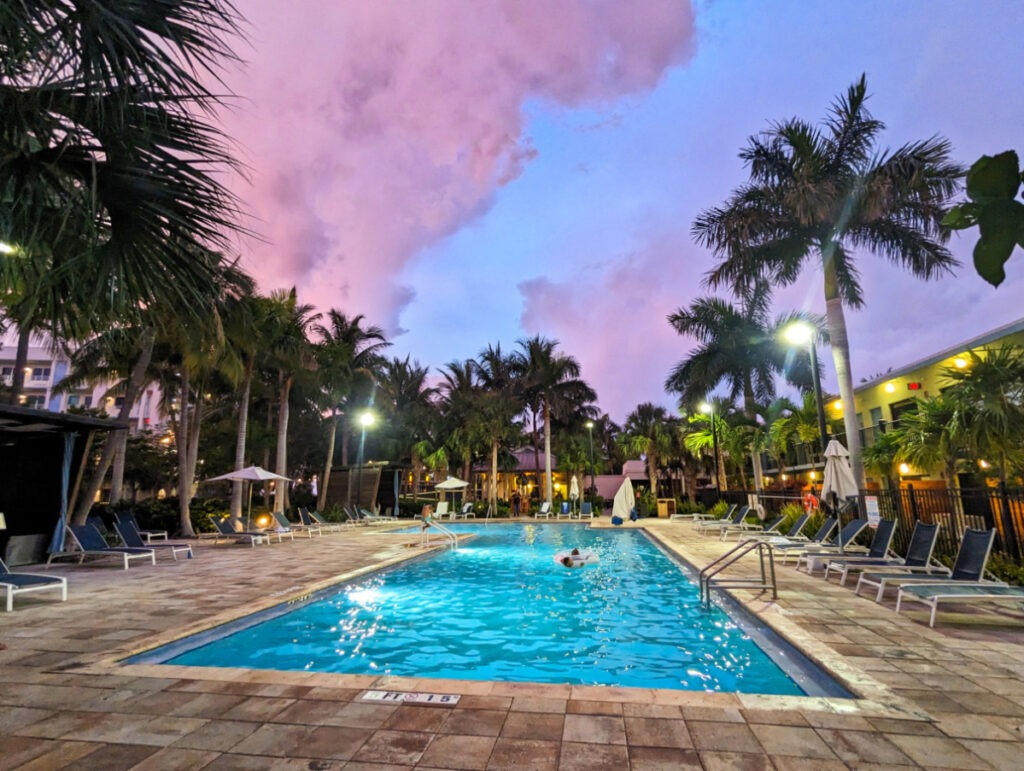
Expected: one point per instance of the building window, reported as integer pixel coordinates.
(35, 401)
(40, 374)
(87, 402)
(7, 375)
(73, 400)
(876, 416)
(119, 401)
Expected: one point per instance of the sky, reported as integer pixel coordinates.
(474, 173)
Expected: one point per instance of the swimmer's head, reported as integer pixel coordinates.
(567, 561)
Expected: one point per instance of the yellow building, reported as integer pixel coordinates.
(881, 401)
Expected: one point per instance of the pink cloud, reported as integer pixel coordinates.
(376, 129)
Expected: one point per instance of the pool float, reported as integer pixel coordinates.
(583, 558)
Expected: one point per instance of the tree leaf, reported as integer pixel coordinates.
(961, 217)
(1000, 223)
(995, 177)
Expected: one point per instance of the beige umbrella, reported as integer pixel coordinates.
(248, 474)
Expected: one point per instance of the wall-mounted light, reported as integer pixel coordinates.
(960, 362)
(890, 388)
(904, 468)
(837, 405)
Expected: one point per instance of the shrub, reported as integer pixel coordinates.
(1005, 569)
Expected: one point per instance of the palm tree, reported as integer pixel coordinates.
(931, 436)
(551, 380)
(817, 194)
(345, 353)
(882, 457)
(707, 429)
(112, 173)
(410, 400)
(987, 397)
(648, 431)
(460, 392)
(500, 402)
(290, 353)
(740, 346)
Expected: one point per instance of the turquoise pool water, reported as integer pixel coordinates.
(500, 608)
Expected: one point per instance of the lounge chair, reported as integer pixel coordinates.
(23, 583)
(441, 510)
(147, 535)
(716, 525)
(91, 544)
(793, 534)
(313, 518)
(564, 511)
(968, 569)
(760, 529)
(544, 512)
(586, 510)
(225, 530)
(932, 594)
(796, 545)
(699, 517)
(815, 557)
(467, 511)
(284, 525)
(132, 537)
(919, 554)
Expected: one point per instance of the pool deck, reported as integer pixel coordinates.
(952, 697)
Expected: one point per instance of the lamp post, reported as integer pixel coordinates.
(708, 409)
(366, 420)
(802, 333)
(590, 430)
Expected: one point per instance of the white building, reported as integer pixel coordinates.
(46, 366)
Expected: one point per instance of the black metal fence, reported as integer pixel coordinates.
(954, 511)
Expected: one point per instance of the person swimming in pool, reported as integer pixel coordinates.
(572, 559)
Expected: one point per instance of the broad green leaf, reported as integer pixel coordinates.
(1000, 224)
(994, 177)
(961, 217)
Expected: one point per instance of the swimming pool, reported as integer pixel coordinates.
(500, 608)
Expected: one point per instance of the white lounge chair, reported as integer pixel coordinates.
(932, 594)
(544, 512)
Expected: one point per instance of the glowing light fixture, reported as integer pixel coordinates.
(960, 362)
(904, 468)
(890, 388)
(984, 463)
(6, 248)
(837, 405)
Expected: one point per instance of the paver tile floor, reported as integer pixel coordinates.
(951, 698)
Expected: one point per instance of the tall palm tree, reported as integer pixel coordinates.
(741, 346)
(648, 431)
(460, 391)
(552, 381)
(818, 194)
(346, 352)
(405, 390)
(500, 402)
(291, 353)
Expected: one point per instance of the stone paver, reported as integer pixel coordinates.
(952, 697)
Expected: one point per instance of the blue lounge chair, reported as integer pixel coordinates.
(919, 554)
(968, 570)
(130, 536)
(715, 526)
(705, 516)
(759, 529)
(224, 530)
(784, 544)
(283, 523)
(147, 535)
(791, 535)
(314, 519)
(586, 510)
(815, 557)
(23, 583)
(91, 544)
(932, 594)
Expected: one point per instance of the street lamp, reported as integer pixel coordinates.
(590, 430)
(366, 420)
(802, 333)
(708, 409)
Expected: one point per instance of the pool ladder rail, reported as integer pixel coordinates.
(766, 556)
(449, 536)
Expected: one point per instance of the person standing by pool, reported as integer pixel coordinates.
(426, 514)
(516, 499)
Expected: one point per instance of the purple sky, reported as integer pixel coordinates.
(467, 173)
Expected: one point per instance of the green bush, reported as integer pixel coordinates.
(1005, 569)
(686, 506)
(792, 512)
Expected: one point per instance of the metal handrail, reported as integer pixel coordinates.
(715, 567)
(450, 537)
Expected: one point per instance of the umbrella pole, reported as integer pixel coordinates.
(248, 515)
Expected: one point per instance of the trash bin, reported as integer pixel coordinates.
(666, 507)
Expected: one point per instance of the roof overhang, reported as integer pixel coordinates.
(15, 419)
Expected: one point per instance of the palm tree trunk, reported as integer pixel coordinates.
(182, 444)
(652, 472)
(547, 452)
(120, 439)
(135, 380)
(281, 498)
(751, 414)
(321, 499)
(20, 361)
(191, 459)
(346, 439)
(466, 474)
(237, 486)
(492, 487)
(840, 342)
(266, 455)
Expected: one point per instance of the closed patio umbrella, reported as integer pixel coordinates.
(574, 490)
(624, 500)
(838, 483)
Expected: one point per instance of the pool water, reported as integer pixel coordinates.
(500, 608)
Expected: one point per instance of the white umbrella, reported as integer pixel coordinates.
(574, 489)
(451, 483)
(248, 474)
(838, 480)
(624, 501)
